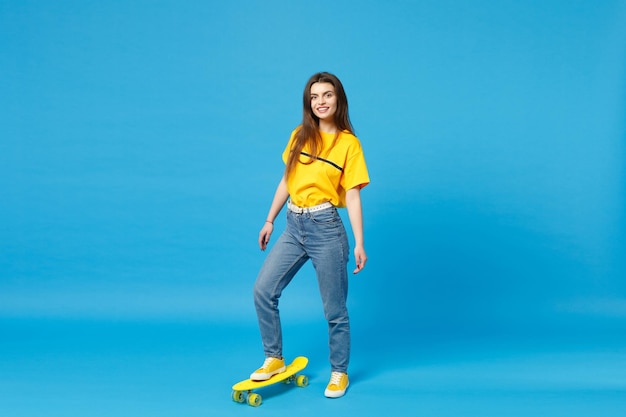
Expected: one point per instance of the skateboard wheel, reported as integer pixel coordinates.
(302, 380)
(254, 400)
(238, 396)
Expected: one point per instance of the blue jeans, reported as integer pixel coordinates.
(321, 237)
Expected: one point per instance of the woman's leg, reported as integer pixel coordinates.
(327, 246)
(285, 259)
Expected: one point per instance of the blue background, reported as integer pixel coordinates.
(140, 148)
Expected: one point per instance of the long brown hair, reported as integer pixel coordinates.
(308, 132)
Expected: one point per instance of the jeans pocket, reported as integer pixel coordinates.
(325, 216)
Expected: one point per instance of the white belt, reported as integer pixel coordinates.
(300, 210)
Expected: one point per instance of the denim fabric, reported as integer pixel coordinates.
(321, 237)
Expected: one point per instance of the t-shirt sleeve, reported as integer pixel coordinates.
(355, 171)
(288, 147)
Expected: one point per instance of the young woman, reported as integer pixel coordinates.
(325, 169)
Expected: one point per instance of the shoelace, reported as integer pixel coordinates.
(267, 362)
(335, 378)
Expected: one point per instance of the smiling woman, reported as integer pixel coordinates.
(331, 175)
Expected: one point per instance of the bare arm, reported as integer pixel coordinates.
(280, 198)
(355, 213)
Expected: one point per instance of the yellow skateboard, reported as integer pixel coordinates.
(242, 391)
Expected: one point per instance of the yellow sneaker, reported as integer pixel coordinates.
(271, 367)
(337, 386)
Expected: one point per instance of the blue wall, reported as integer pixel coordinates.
(141, 146)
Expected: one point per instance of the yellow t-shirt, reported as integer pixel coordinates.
(327, 178)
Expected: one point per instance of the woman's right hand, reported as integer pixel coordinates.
(264, 235)
(280, 198)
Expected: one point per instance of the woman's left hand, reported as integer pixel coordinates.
(360, 257)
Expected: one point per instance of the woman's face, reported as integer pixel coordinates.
(324, 101)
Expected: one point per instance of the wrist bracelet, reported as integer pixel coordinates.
(267, 221)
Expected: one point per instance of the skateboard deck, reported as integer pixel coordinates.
(242, 391)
